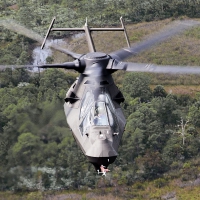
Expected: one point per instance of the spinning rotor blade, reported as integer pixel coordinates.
(13, 26)
(65, 51)
(169, 31)
(143, 67)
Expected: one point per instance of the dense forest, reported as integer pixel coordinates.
(161, 132)
(37, 151)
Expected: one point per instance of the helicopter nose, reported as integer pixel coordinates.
(101, 148)
(101, 153)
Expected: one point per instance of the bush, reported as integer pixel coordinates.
(161, 182)
(138, 186)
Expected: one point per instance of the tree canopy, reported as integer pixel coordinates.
(34, 132)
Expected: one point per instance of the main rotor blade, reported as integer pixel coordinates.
(77, 65)
(169, 31)
(144, 67)
(67, 65)
(13, 26)
(65, 51)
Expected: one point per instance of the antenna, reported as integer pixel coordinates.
(86, 22)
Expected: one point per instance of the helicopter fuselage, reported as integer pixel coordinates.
(93, 112)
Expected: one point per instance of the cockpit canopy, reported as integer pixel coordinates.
(97, 113)
(100, 114)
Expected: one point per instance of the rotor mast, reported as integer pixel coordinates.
(89, 37)
(87, 31)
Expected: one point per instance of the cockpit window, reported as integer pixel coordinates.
(113, 121)
(100, 114)
(109, 102)
(85, 124)
(86, 103)
(97, 113)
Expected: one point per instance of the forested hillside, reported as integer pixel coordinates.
(104, 12)
(159, 154)
(39, 152)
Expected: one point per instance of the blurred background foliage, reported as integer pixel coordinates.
(38, 150)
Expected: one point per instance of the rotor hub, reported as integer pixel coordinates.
(96, 63)
(96, 56)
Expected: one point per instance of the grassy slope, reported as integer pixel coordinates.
(148, 190)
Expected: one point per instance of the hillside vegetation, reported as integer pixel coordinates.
(159, 154)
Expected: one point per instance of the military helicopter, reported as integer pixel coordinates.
(92, 104)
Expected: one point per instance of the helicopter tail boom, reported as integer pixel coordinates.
(87, 31)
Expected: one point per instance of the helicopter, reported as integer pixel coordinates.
(92, 104)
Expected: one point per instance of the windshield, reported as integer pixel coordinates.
(97, 113)
(100, 114)
(86, 104)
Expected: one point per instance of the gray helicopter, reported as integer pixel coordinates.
(92, 104)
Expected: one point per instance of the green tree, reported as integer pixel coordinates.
(137, 85)
(24, 152)
(159, 91)
(49, 154)
(151, 165)
(25, 14)
(194, 114)
(143, 131)
(167, 110)
(52, 81)
(24, 58)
